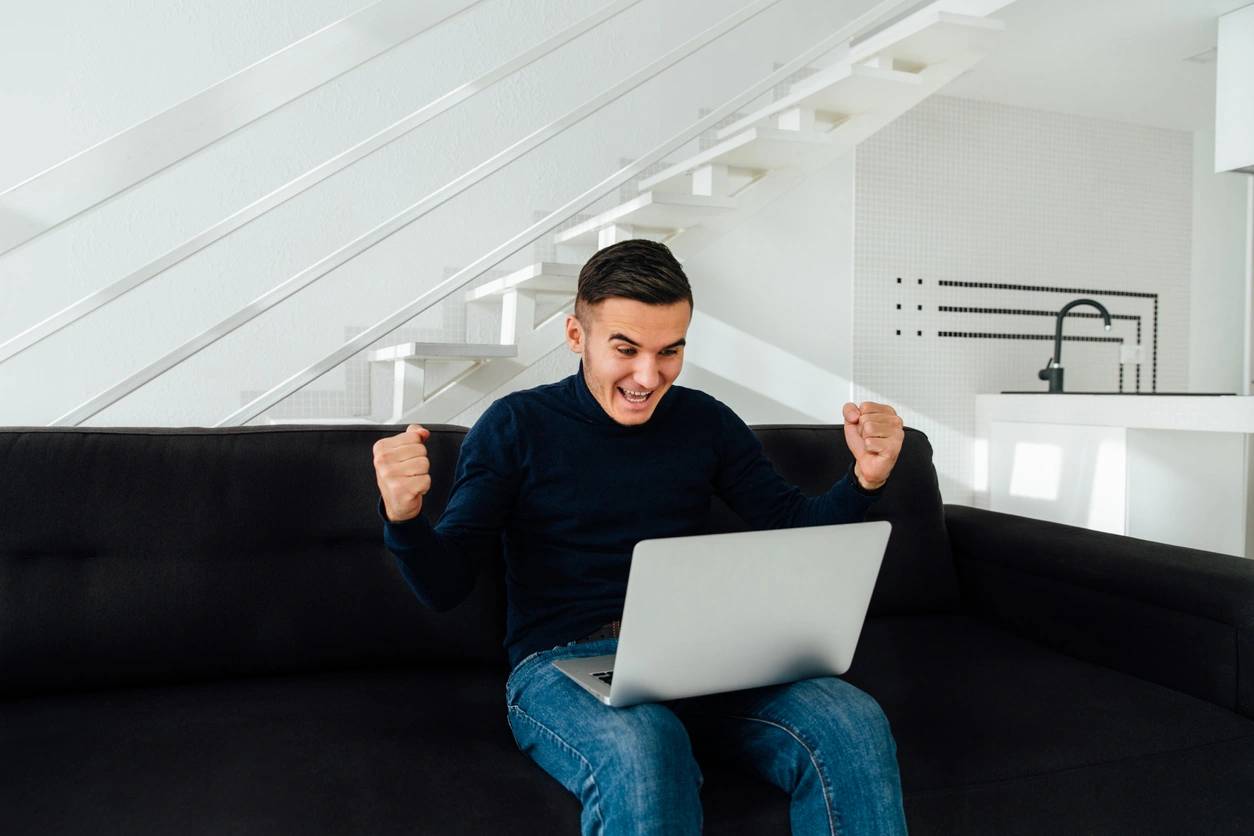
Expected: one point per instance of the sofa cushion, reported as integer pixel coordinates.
(374, 752)
(994, 735)
(159, 555)
(997, 734)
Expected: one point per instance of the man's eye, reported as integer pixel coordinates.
(667, 352)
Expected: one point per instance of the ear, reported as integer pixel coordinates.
(574, 334)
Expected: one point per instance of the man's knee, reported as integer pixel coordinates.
(633, 756)
(843, 720)
(644, 775)
(650, 745)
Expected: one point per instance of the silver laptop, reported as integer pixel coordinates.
(722, 612)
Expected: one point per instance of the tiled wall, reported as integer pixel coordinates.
(975, 223)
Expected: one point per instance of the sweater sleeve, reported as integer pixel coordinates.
(441, 562)
(752, 487)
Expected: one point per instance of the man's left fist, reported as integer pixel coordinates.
(874, 435)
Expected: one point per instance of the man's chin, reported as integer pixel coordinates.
(633, 419)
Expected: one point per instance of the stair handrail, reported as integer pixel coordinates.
(382, 231)
(549, 222)
(116, 164)
(333, 165)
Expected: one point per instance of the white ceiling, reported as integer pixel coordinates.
(1111, 59)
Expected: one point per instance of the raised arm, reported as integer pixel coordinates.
(440, 562)
(752, 487)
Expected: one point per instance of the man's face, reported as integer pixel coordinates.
(632, 353)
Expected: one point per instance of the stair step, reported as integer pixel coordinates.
(453, 400)
(759, 148)
(845, 89)
(857, 89)
(928, 37)
(664, 212)
(545, 276)
(442, 351)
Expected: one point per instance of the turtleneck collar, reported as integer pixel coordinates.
(591, 408)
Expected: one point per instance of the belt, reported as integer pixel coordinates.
(605, 631)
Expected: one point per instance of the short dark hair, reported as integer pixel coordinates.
(637, 269)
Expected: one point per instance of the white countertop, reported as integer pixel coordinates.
(1203, 413)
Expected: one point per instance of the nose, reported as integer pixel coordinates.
(646, 373)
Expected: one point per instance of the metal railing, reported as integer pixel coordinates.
(504, 250)
(77, 310)
(412, 213)
(400, 220)
(48, 199)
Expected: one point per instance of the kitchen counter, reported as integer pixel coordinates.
(1171, 468)
(1211, 413)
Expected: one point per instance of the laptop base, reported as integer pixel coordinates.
(583, 670)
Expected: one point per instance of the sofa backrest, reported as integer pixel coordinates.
(142, 555)
(131, 555)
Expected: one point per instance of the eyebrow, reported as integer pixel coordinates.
(626, 339)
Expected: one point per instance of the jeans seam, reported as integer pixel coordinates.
(814, 759)
(591, 777)
(519, 667)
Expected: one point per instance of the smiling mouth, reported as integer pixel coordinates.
(633, 396)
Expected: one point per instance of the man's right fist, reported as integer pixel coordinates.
(401, 468)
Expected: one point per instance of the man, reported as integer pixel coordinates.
(569, 477)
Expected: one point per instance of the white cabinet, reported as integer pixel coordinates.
(1234, 92)
(1173, 469)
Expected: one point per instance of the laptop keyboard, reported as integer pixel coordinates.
(605, 676)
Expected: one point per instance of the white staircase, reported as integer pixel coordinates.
(655, 215)
(689, 204)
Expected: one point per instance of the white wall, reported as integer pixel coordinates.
(1217, 284)
(1002, 215)
(91, 69)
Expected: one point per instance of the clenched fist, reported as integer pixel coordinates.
(402, 470)
(874, 434)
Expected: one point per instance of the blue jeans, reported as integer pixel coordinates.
(823, 741)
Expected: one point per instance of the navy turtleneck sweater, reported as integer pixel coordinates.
(547, 477)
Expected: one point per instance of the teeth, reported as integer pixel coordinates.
(635, 395)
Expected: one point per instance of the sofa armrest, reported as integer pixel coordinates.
(1180, 617)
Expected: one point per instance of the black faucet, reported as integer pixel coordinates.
(1053, 369)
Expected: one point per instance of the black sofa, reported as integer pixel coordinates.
(202, 632)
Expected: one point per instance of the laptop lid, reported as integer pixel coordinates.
(723, 612)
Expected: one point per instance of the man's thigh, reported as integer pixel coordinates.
(575, 737)
(775, 731)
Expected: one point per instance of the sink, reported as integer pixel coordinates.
(1190, 394)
